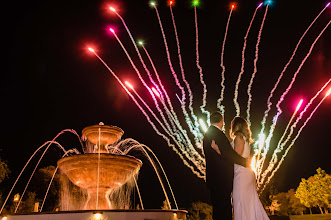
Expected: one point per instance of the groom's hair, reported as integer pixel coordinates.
(216, 117)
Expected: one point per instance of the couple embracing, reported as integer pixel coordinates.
(228, 171)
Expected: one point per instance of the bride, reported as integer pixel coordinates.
(246, 202)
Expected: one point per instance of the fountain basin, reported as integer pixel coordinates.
(114, 171)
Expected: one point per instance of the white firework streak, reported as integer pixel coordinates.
(281, 145)
(143, 81)
(235, 99)
(292, 143)
(219, 101)
(271, 166)
(204, 94)
(266, 149)
(194, 128)
(277, 150)
(169, 60)
(174, 75)
(198, 174)
(283, 71)
(255, 67)
(171, 113)
(147, 71)
(189, 150)
(197, 140)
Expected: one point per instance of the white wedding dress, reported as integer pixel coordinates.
(246, 202)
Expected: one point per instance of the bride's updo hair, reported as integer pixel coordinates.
(239, 126)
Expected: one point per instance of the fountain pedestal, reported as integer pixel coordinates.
(103, 201)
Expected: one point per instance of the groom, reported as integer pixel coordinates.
(219, 167)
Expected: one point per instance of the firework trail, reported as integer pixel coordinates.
(266, 148)
(142, 80)
(135, 46)
(287, 90)
(280, 145)
(235, 99)
(204, 95)
(152, 124)
(255, 67)
(298, 70)
(150, 91)
(159, 80)
(196, 123)
(283, 71)
(196, 135)
(219, 101)
(188, 120)
(301, 114)
(144, 65)
(170, 113)
(169, 59)
(293, 141)
(189, 151)
(161, 85)
(278, 148)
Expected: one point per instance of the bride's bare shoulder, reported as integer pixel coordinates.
(239, 136)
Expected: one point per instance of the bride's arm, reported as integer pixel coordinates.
(239, 144)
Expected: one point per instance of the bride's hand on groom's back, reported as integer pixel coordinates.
(215, 147)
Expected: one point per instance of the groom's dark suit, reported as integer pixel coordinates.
(219, 171)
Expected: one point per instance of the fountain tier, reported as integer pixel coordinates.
(106, 134)
(114, 171)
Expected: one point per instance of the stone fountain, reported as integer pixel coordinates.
(99, 173)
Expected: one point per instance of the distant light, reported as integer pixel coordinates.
(328, 93)
(233, 6)
(299, 105)
(112, 30)
(260, 5)
(156, 92)
(327, 5)
(16, 197)
(112, 9)
(203, 125)
(153, 4)
(90, 49)
(128, 85)
(97, 216)
(140, 42)
(269, 2)
(195, 3)
(171, 2)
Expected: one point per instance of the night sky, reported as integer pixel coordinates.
(50, 81)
